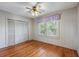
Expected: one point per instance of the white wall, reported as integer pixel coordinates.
(78, 30)
(4, 16)
(68, 30)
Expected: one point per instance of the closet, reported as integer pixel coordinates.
(17, 32)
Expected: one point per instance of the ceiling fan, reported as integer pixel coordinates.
(36, 9)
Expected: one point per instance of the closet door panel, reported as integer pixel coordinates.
(11, 32)
(20, 32)
(25, 31)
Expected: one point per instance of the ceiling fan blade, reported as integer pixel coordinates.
(37, 3)
(28, 11)
(28, 8)
(41, 11)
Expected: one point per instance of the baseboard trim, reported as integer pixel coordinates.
(53, 44)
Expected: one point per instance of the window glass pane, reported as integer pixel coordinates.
(51, 28)
(42, 28)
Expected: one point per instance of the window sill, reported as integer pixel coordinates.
(54, 36)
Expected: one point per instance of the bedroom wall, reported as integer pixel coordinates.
(4, 16)
(78, 30)
(68, 31)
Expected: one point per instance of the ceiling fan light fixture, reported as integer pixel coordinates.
(35, 13)
(36, 9)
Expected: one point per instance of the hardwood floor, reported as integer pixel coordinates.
(34, 48)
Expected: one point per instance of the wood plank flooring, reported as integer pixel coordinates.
(34, 48)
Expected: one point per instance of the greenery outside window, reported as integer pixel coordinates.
(49, 28)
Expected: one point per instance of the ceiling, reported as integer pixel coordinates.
(19, 7)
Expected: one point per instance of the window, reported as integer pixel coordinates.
(49, 27)
(52, 28)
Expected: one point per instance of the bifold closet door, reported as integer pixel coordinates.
(21, 33)
(11, 32)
